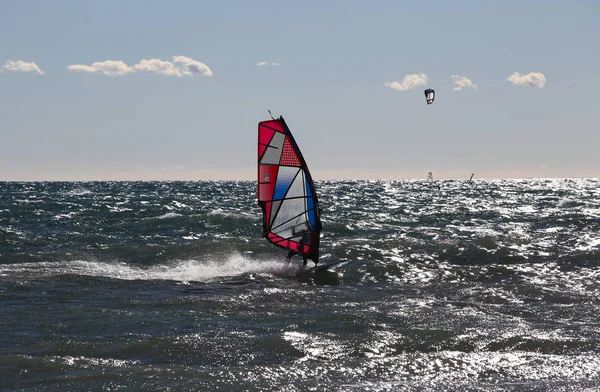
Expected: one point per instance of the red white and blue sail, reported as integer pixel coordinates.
(286, 192)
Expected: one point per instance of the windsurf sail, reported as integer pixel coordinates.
(286, 192)
(471, 179)
(430, 176)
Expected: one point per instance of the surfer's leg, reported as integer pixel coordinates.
(304, 261)
(289, 257)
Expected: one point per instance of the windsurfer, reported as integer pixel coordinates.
(302, 248)
(292, 253)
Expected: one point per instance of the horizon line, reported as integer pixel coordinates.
(247, 173)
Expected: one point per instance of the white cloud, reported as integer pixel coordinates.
(108, 67)
(408, 82)
(462, 82)
(190, 66)
(21, 66)
(536, 79)
(157, 66)
(180, 66)
(264, 63)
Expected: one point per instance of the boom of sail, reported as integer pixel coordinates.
(286, 192)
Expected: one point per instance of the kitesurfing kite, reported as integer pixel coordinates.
(429, 95)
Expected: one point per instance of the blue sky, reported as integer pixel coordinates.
(187, 91)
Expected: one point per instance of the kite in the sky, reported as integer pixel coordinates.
(429, 95)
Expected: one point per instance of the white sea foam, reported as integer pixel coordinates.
(67, 215)
(79, 192)
(169, 215)
(180, 205)
(85, 362)
(177, 270)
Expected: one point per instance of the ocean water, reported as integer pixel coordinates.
(169, 286)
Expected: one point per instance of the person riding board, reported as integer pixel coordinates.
(301, 247)
(303, 240)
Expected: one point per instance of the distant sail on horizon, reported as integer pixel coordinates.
(430, 176)
(286, 192)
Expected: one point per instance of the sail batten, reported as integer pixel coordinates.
(286, 192)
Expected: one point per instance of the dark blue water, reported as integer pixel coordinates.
(157, 286)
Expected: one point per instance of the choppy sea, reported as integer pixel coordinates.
(168, 286)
